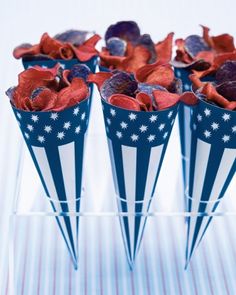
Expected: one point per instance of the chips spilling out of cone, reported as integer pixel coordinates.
(203, 55)
(52, 109)
(128, 50)
(66, 46)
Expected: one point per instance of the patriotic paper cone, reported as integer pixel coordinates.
(56, 144)
(212, 165)
(137, 143)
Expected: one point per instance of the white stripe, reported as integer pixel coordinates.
(44, 167)
(153, 166)
(201, 161)
(67, 158)
(187, 136)
(222, 173)
(129, 156)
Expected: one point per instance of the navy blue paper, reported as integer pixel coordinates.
(137, 143)
(212, 165)
(56, 144)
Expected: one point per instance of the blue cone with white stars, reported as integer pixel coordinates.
(56, 143)
(137, 143)
(212, 166)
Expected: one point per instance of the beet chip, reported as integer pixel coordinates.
(125, 102)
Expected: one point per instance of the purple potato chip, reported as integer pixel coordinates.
(36, 92)
(79, 71)
(126, 30)
(146, 41)
(148, 89)
(10, 92)
(227, 72)
(116, 46)
(73, 36)
(228, 90)
(198, 65)
(176, 86)
(194, 44)
(119, 83)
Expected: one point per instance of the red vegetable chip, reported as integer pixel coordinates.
(45, 101)
(165, 100)
(156, 74)
(87, 50)
(145, 100)
(72, 94)
(139, 58)
(188, 98)
(110, 61)
(211, 94)
(50, 46)
(66, 52)
(181, 54)
(164, 49)
(99, 78)
(125, 102)
(26, 49)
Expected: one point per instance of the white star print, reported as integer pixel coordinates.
(226, 138)
(67, 125)
(178, 74)
(83, 116)
(234, 129)
(108, 121)
(35, 118)
(134, 137)
(153, 118)
(60, 135)
(76, 111)
(132, 116)
(30, 127)
(77, 130)
(18, 115)
(161, 126)
(62, 66)
(165, 135)
(112, 112)
(123, 125)
(48, 128)
(54, 116)
(151, 137)
(207, 133)
(226, 117)
(199, 118)
(170, 114)
(41, 139)
(186, 87)
(26, 135)
(215, 126)
(194, 126)
(118, 134)
(143, 128)
(207, 112)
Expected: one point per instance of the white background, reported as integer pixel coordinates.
(25, 21)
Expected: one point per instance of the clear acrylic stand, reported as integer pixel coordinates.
(39, 262)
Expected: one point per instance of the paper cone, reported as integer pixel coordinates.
(56, 144)
(137, 143)
(212, 165)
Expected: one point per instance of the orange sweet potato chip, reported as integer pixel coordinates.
(125, 102)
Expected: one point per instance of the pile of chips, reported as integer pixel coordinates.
(52, 89)
(137, 93)
(68, 45)
(126, 49)
(204, 55)
(223, 91)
